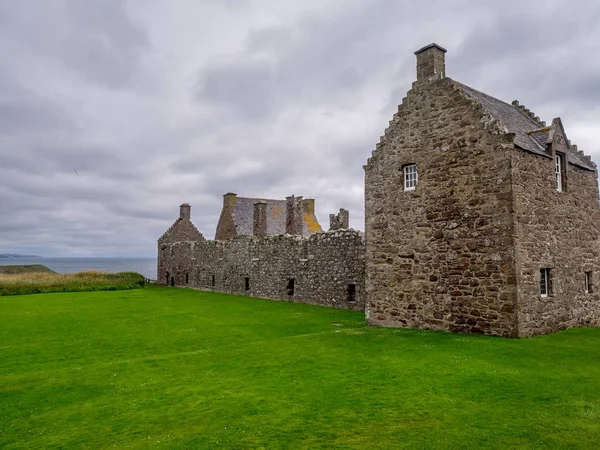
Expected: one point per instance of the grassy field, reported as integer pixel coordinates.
(175, 368)
(40, 282)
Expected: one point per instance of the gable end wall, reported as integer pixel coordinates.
(441, 256)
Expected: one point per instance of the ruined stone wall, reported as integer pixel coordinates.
(441, 256)
(324, 267)
(560, 231)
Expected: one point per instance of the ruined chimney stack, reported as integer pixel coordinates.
(229, 199)
(293, 215)
(340, 220)
(431, 63)
(259, 225)
(185, 211)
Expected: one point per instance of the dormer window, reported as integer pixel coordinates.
(410, 177)
(559, 171)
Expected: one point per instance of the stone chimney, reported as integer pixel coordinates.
(339, 221)
(431, 63)
(308, 206)
(293, 215)
(259, 224)
(185, 211)
(229, 199)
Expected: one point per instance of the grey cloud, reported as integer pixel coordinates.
(95, 38)
(244, 86)
(260, 98)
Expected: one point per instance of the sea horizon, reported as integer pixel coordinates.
(71, 264)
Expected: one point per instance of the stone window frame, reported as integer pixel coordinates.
(546, 282)
(410, 181)
(588, 286)
(559, 172)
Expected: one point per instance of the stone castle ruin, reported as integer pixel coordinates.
(270, 249)
(479, 218)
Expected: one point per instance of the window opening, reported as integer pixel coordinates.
(410, 177)
(560, 172)
(168, 277)
(172, 281)
(588, 282)
(213, 281)
(290, 286)
(246, 284)
(351, 293)
(187, 278)
(545, 282)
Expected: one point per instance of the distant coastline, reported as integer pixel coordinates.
(145, 266)
(16, 255)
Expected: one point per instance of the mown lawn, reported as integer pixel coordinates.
(175, 368)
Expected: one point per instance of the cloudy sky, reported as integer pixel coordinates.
(113, 113)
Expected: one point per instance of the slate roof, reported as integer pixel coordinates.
(530, 134)
(243, 216)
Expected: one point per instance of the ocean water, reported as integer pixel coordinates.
(145, 266)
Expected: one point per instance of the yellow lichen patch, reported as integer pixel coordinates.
(230, 199)
(312, 223)
(276, 211)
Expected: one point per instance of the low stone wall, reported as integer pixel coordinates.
(325, 269)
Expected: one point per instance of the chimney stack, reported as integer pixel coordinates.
(185, 211)
(431, 63)
(259, 225)
(229, 199)
(340, 220)
(293, 215)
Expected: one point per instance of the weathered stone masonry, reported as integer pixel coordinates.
(463, 251)
(479, 218)
(323, 269)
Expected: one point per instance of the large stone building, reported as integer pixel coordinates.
(479, 218)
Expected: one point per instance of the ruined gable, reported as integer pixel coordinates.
(294, 215)
(182, 228)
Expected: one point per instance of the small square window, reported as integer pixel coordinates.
(545, 282)
(410, 177)
(588, 287)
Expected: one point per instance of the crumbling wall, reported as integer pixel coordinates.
(326, 268)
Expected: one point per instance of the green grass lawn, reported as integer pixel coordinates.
(176, 368)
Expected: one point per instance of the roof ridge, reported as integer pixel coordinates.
(481, 92)
(260, 198)
(528, 113)
(512, 105)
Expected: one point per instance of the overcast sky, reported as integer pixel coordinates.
(113, 113)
